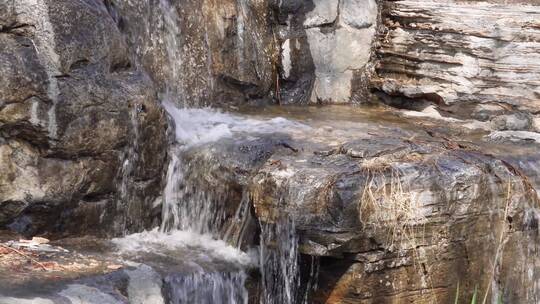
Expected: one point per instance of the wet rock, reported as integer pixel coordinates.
(223, 172)
(73, 108)
(393, 212)
(524, 137)
(223, 51)
(399, 212)
(87, 295)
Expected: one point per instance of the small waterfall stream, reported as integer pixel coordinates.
(192, 211)
(279, 262)
(193, 216)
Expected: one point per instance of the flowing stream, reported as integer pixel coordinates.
(193, 215)
(192, 220)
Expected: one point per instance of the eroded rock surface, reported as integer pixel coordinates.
(73, 110)
(459, 54)
(394, 210)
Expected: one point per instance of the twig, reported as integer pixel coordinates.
(25, 255)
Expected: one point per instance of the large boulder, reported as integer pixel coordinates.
(395, 219)
(81, 128)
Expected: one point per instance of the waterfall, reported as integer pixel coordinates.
(191, 205)
(214, 271)
(171, 33)
(279, 262)
(194, 203)
(207, 288)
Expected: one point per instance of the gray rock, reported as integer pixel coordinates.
(337, 55)
(325, 12)
(515, 136)
(82, 294)
(325, 50)
(359, 13)
(72, 109)
(512, 122)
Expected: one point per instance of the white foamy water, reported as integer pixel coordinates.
(192, 219)
(186, 206)
(157, 242)
(198, 126)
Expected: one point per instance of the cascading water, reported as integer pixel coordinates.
(189, 214)
(279, 262)
(193, 214)
(189, 206)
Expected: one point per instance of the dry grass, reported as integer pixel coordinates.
(501, 242)
(387, 204)
(383, 162)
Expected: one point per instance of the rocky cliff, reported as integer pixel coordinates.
(403, 202)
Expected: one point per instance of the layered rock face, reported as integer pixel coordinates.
(400, 223)
(81, 130)
(471, 59)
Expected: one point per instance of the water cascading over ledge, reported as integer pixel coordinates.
(393, 208)
(224, 51)
(197, 197)
(204, 196)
